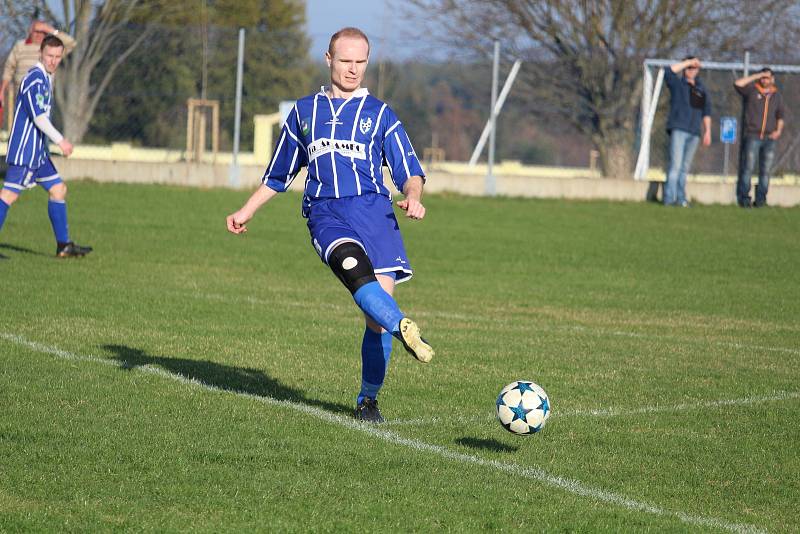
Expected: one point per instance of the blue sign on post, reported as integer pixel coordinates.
(727, 130)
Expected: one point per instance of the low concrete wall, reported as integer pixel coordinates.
(579, 187)
(171, 173)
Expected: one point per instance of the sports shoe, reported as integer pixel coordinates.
(367, 411)
(71, 250)
(413, 342)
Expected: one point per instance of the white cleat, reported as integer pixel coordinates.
(413, 342)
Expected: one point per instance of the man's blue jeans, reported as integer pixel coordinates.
(682, 146)
(764, 151)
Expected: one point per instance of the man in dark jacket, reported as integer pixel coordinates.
(689, 109)
(763, 125)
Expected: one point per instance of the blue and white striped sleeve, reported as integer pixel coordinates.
(398, 152)
(33, 95)
(289, 157)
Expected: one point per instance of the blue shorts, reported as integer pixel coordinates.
(367, 220)
(19, 178)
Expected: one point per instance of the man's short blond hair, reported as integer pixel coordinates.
(347, 32)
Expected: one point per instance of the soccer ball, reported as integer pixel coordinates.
(523, 407)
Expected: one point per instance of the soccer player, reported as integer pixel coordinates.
(28, 157)
(344, 135)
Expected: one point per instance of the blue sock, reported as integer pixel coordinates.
(57, 210)
(379, 306)
(3, 212)
(376, 349)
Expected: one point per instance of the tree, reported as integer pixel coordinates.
(583, 59)
(193, 54)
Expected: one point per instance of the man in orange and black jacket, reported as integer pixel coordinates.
(763, 125)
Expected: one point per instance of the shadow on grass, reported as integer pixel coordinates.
(224, 377)
(485, 444)
(15, 248)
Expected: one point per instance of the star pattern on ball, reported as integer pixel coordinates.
(544, 404)
(523, 387)
(519, 412)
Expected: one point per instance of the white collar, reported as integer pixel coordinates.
(358, 93)
(41, 67)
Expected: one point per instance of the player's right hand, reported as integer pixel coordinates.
(237, 222)
(66, 147)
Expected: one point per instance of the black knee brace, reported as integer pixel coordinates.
(351, 265)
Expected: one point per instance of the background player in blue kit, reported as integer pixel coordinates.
(28, 157)
(344, 136)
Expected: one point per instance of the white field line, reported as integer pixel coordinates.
(613, 412)
(507, 322)
(532, 473)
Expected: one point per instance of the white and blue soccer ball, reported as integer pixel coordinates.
(523, 407)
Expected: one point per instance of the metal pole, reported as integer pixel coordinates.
(497, 108)
(642, 161)
(490, 181)
(647, 95)
(745, 73)
(237, 116)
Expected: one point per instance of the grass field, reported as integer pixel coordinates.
(181, 378)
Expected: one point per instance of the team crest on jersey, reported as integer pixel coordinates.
(40, 101)
(304, 126)
(365, 124)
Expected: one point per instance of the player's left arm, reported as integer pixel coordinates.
(412, 203)
(404, 166)
(33, 98)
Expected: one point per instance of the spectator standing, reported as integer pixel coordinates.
(24, 56)
(763, 126)
(689, 118)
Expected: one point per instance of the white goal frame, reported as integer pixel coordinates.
(651, 90)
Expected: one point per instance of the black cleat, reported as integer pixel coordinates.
(413, 342)
(71, 250)
(367, 411)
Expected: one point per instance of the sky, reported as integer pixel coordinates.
(390, 30)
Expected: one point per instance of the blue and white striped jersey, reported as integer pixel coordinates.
(344, 143)
(27, 144)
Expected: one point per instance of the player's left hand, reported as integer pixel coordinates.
(775, 135)
(413, 208)
(707, 138)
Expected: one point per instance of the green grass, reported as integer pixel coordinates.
(657, 316)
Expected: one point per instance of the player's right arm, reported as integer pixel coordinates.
(289, 157)
(237, 222)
